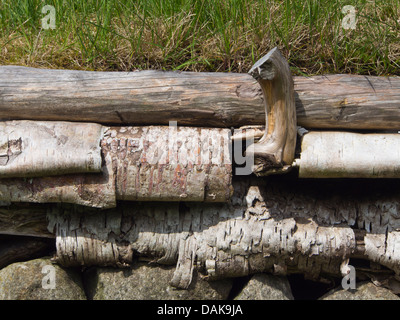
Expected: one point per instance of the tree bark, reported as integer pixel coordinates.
(195, 99)
(274, 225)
(156, 163)
(160, 163)
(349, 155)
(46, 148)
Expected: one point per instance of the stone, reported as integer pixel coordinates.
(33, 280)
(363, 291)
(264, 286)
(148, 282)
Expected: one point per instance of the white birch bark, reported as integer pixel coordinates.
(349, 155)
(46, 148)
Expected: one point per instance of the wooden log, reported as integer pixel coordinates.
(24, 220)
(195, 99)
(45, 148)
(349, 155)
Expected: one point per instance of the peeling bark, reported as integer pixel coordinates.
(160, 163)
(273, 225)
(139, 163)
(266, 227)
(30, 148)
(90, 189)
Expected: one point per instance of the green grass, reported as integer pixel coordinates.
(202, 35)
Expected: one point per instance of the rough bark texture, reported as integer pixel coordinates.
(46, 148)
(349, 155)
(281, 227)
(160, 163)
(156, 163)
(195, 99)
(274, 153)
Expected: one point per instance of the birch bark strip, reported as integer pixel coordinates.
(46, 148)
(266, 227)
(349, 155)
(269, 225)
(89, 189)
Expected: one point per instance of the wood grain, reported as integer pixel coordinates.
(195, 99)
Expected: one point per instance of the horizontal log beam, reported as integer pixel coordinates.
(195, 99)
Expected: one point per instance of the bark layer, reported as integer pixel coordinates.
(266, 227)
(349, 155)
(156, 163)
(46, 148)
(160, 163)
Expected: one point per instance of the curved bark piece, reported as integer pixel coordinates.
(89, 189)
(349, 155)
(46, 148)
(274, 153)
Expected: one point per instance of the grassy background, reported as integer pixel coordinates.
(202, 35)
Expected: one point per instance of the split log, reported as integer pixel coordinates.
(194, 99)
(349, 155)
(270, 225)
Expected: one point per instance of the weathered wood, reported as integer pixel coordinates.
(195, 99)
(25, 220)
(349, 155)
(274, 152)
(348, 102)
(46, 148)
